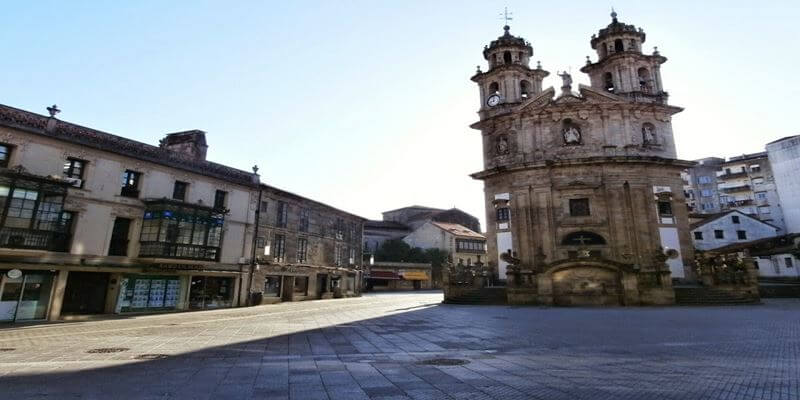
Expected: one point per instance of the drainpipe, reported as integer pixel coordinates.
(253, 246)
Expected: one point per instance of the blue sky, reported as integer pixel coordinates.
(366, 105)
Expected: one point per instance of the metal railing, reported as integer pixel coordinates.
(21, 238)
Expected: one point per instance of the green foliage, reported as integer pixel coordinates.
(399, 251)
(393, 250)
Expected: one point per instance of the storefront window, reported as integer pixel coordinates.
(210, 292)
(149, 293)
(26, 297)
(272, 286)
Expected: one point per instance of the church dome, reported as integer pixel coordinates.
(616, 30)
(508, 49)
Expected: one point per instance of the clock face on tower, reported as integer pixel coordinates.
(493, 100)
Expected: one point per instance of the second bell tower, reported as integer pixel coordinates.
(622, 68)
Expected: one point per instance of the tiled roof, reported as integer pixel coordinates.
(716, 216)
(83, 136)
(458, 230)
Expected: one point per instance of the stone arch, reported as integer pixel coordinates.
(507, 57)
(494, 87)
(525, 88)
(608, 82)
(644, 79)
(619, 46)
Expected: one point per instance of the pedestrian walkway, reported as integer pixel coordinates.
(410, 346)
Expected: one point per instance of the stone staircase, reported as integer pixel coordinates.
(487, 295)
(699, 295)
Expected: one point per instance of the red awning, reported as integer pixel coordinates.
(386, 275)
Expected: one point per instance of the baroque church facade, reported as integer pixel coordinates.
(583, 192)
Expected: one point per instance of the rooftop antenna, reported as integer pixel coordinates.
(507, 16)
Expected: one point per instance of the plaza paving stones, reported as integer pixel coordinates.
(379, 347)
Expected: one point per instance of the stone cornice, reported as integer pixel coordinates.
(623, 54)
(511, 67)
(582, 161)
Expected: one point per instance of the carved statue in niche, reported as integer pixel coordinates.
(502, 145)
(571, 133)
(648, 134)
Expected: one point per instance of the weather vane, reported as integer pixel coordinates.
(507, 16)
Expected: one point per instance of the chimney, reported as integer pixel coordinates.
(191, 144)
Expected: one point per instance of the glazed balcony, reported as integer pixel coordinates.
(179, 230)
(179, 251)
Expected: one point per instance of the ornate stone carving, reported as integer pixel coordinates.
(649, 134)
(572, 134)
(501, 147)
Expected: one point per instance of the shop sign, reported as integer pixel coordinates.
(176, 267)
(14, 273)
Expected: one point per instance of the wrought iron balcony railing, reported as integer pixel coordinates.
(21, 238)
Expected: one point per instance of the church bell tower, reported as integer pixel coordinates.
(583, 194)
(510, 80)
(622, 69)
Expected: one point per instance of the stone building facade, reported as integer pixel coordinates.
(401, 222)
(305, 249)
(97, 223)
(582, 190)
(784, 158)
(744, 183)
(734, 226)
(93, 223)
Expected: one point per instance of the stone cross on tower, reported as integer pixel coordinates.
(507, 16)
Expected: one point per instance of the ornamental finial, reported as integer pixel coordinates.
(613, 15)
(53, 110)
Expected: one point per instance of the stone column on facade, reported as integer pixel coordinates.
(657, 77)
(517, 238)
(112, 293)
(626, 126)
(58, 295)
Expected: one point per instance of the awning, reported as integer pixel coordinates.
(415, 276)
(385, 275)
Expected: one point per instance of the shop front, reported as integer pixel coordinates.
(151, 293)
(419, 279)
(209, 292)
(399, 276)
(25, 294)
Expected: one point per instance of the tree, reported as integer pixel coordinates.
(393, 250)
(437, 258)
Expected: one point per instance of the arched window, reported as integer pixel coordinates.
(619, 46)
(507, 57)
(525, 88)
(608, 82)
(603, 51)
(519, 56)
(582, 238)
(644, 79)
(494, 87)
